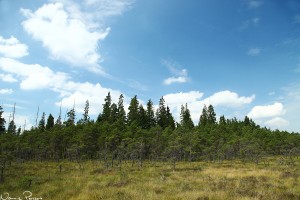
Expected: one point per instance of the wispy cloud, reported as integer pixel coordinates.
(254, 3)
(254, 52)
(297, 18)
(249, 23)
(6, 91)
(137, 85)
(179, 75)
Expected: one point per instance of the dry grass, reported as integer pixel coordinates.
(198, 180)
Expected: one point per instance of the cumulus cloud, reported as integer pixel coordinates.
(254, 52)
(12, 48)
(228, 99)
(277, 122)
(33, 76)
(71, 31)
(267, 111)
(195, 102)
(8, 78)
(6, 91)
(179, 75)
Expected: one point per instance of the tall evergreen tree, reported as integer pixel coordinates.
(50, 122)
(222, 120)
(42, 122)
(121, 110)
(211, 118)
(106, 108)
(185, 117)
(113, 113)
(71, 117)
(142, 117)
(133, 113)
(86, 117)
(203, 116)
(2, 122)
(170, 119)
(150, 115)
(12, 127)
(161, 114)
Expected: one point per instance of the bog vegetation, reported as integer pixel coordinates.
(147, 148)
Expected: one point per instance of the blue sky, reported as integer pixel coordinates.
(242, 56)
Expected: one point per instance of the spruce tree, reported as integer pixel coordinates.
(86, 117)
(50, 122)
(150, 115)
(106, 108)
(71, 117)
(133, 113)
(161, 114)
(42, 122)
(121, 110)
(185, 117)
(203, 116)
(211, 118)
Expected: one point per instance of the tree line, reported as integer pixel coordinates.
(143, 134)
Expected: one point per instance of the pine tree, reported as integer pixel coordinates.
(133, 113)
(203, 116)
(106, 108)
(50, 122)
(2, 122)
(211, 118)
(42, 122)
(150, 115)
(222, 120)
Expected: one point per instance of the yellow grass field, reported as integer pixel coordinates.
(197, 180)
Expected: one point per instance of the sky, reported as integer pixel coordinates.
(241, 56)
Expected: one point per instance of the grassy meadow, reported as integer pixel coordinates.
(275, 180)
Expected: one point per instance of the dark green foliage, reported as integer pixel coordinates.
(185, 117)
(203, 117)
(150, 115)
(50, 122)
(133, 114)
(71, 117)
(2, 121)
(12, 127)
(42, 122)
(106, 108)
(113, 140)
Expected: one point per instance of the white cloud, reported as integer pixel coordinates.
(180, 75)
(228, 99)
(249, 23)
(267, 111)
(225, 99)
(71, 31)
(254, 3)
(8, 78)
(277, 122)
(254, 51)
(6, 91)
(33, 76)
(12, 48)
(182, 98)
(172, 80)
